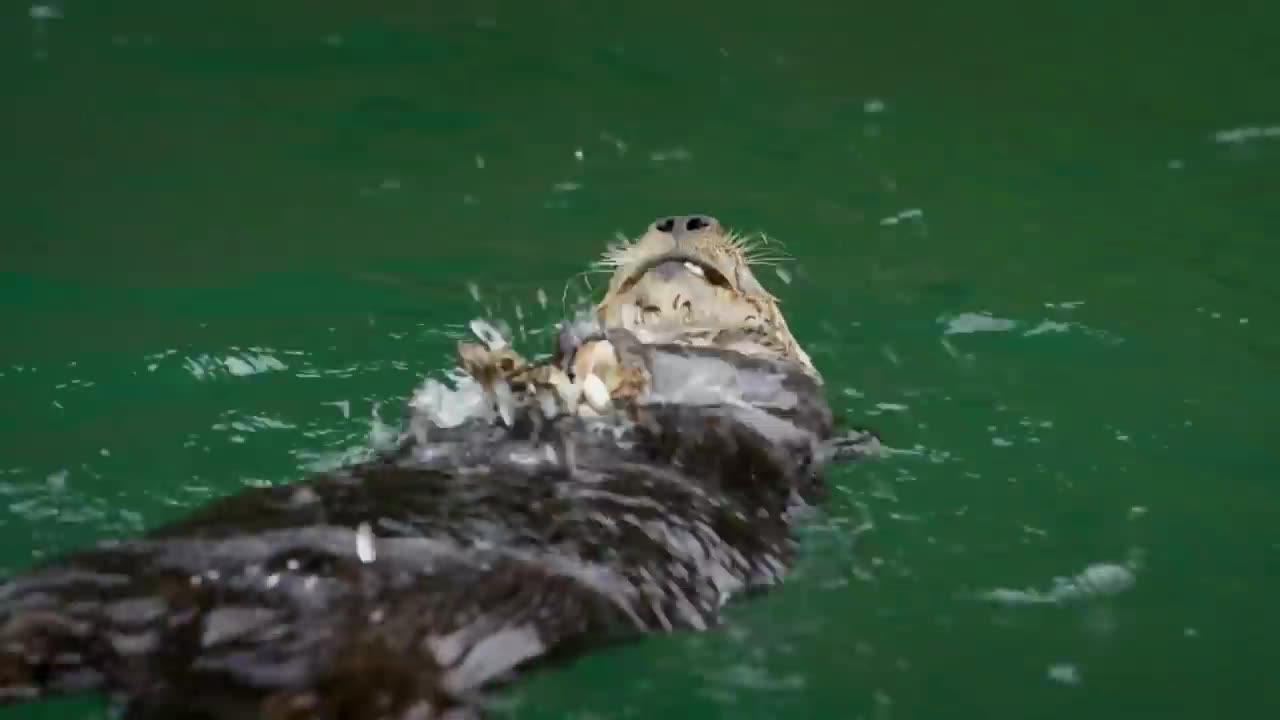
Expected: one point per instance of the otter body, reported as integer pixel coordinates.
(402, 587)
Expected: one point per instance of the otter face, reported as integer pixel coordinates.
(687, 280)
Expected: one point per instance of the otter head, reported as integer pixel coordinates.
(687, 280)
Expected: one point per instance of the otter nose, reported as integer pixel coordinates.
(678, 226)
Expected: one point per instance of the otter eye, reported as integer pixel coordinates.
(696, 223)
(666, 226)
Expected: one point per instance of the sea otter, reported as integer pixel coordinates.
(631, 483)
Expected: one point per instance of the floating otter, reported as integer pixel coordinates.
(632, 483)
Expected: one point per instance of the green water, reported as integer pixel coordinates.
(308, 188)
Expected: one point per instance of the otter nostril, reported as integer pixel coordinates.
(697, 222)
(666, 225)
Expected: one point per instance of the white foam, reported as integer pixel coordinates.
(1048, 326)
(449, 407)
(1096, 580)
(250, 364)
(1239, 135)
(965, 323)
(254, 423)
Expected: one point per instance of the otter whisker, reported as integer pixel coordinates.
(758, 249)
(766, 258)
(767, 261)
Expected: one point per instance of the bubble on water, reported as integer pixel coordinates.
(1065, 673)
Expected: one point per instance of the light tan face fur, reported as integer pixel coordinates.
(687, 280)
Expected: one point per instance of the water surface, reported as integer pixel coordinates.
(1035, 247)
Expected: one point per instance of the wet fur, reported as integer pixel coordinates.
(403, 587)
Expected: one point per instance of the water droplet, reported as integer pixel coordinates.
(364, 543)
